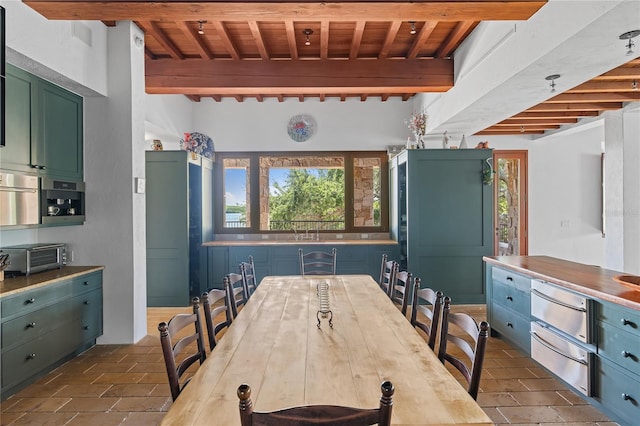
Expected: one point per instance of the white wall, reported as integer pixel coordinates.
(70, 54)
(168, 117)
(262, 126)
(564, 196)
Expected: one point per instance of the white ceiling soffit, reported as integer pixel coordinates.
(578, 39)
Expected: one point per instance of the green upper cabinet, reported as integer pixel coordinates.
(59, 141)
(20, 90)
(43, 127)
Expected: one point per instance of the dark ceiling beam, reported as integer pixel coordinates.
(586, 106)
(421, 38)
(276, 10)
(594, 97)
(491, 132)
(446, 49)
(554, 114)
(606, 86)
(324, 39)
(226, 39)
(392, 32)
(291, 39)
(204, 77)
(356, 40)
(152, 29)
(257, 36)
(196, 38)
(539, 121)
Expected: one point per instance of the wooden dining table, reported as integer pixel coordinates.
(276, 346)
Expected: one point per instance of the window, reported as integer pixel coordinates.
(294, 192)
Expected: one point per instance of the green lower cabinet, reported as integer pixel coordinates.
(619, 392)
(284, 259)
(509, 306)
(42, 328)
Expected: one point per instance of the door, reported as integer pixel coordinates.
(510, 199)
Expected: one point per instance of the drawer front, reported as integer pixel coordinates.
(622, 318)
(512, 326)
(509, 278)
(512, 298)
(87, 282)
(619, 392)
(35, 299)
(34, 324)
(619, 346)
(24, 361)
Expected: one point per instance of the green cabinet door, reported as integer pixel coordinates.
(449, 221)
(43, 127)
(20, 90)
(59, 142)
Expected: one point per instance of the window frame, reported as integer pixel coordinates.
(254, 184)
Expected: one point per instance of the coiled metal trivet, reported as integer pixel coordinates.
(324, 310)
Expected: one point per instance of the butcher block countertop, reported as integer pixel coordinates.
(336, 242)
(590, 280)
(22, 283)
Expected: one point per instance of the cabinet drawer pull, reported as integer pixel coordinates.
(510, 299)
(85, 282)
(86, 327)
(509, 325)
(627, 397)
(86, 302)
(31, 325)
(31, 300)
(625, 321)
(509, 278)
(31, 356)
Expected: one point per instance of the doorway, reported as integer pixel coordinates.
(510, 201)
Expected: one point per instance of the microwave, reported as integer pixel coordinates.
(27, 259)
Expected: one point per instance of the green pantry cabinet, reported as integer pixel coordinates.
(615, 349)
(179, 220)
(442, 216)
(43, 127)
(46, 326)
(282, 259)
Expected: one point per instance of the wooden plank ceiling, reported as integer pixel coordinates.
(255, 49)
(608, 91)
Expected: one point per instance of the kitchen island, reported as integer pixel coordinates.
(576, 320)
(46, 319)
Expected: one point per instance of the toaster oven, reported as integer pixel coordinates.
(30, 258)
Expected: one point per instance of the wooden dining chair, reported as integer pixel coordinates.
(317, 414)
(234, 285)
(216, 302)
(427, 303)
(469, 330)
(248, 272)
(176, 360)
(317, 262)
(401, 289)
(388, 270)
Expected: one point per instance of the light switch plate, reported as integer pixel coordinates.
(139, 185)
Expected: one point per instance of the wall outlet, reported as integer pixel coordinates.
(140, 185)
(265, 236)
(69, 256)
(338, 236)
(364, 236)
(240, 237)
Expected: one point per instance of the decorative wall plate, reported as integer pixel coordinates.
(301, 127)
